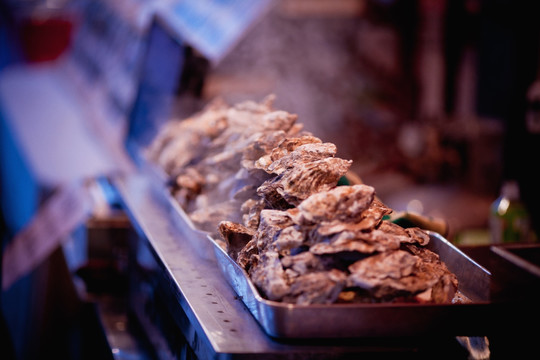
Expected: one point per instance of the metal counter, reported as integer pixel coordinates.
(180, 297)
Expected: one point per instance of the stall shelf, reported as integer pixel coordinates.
(188, 309)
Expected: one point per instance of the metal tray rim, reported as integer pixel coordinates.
(273, 303)
(288, 321)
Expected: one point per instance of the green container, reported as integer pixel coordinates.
(509, 219)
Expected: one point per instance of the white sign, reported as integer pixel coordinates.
(213, 26)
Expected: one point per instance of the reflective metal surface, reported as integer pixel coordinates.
(183, 297)
(361, 320)
(186, 304)
(210, 305)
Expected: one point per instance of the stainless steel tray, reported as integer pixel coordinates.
(288, 321)
(196, 238)
(282, 320)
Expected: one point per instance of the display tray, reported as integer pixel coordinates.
(289, 321)
(281, 320)
(517, 271)
(197, 239)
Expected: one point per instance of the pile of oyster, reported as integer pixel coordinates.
(271, 194)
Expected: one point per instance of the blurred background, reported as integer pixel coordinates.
(429, 98)
(437, 102)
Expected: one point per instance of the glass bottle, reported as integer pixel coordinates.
(509, 219)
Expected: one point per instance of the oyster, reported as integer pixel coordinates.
(250, 175)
